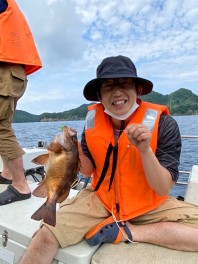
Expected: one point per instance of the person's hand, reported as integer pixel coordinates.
(79, 146)
(86, 166)
(139, 136)
(81, 154)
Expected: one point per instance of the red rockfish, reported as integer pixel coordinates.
(63, 164)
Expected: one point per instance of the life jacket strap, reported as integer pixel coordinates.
(106, 165)
(105, 168)
(115, 157)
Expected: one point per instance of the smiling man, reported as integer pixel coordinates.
(131, 148)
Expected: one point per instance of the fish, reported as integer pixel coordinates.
(62, 166)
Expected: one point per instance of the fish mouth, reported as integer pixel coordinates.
(67, 137)
(70, 131)
(70, 136)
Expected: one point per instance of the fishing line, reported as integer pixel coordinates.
(174, 159)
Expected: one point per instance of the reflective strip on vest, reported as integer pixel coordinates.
(89, 121)
(150, 118)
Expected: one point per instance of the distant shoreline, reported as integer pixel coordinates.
(180, 103)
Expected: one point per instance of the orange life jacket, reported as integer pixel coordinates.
(17, 43)
(128, 193)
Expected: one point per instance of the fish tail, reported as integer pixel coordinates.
(47, 212)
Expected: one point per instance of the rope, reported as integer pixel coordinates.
(117, 221)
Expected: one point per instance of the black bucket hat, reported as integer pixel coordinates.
(115, 67)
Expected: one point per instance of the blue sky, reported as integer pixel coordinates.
(73, 36)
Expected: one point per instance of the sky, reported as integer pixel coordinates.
(74, 36)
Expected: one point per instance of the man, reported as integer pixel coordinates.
(18, 58)
(131, 148)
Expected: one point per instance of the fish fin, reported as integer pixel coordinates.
(41, 159)
(64, 194)
(55, 147)
(47, 212)
(66, 190)
(41, 190)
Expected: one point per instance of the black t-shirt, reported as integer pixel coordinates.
(168, 145)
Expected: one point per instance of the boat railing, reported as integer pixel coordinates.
(35, 171)
(186, 136)
(185, 172)
(183, 182)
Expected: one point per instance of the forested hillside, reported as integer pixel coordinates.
(181, 102)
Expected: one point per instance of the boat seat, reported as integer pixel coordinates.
(141, 253)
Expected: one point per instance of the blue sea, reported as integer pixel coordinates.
(29, 134)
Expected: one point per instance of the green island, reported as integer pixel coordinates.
(180, 102)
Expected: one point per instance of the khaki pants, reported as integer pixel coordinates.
(78, 215)
(13, 83)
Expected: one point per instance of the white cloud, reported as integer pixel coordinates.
(73, 37)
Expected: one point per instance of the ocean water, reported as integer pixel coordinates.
(28, 135)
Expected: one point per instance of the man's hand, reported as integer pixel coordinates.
(139, 136)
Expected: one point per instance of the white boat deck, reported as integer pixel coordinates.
(16, 219)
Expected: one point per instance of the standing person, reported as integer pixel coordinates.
(132, 149)
(18, 58)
